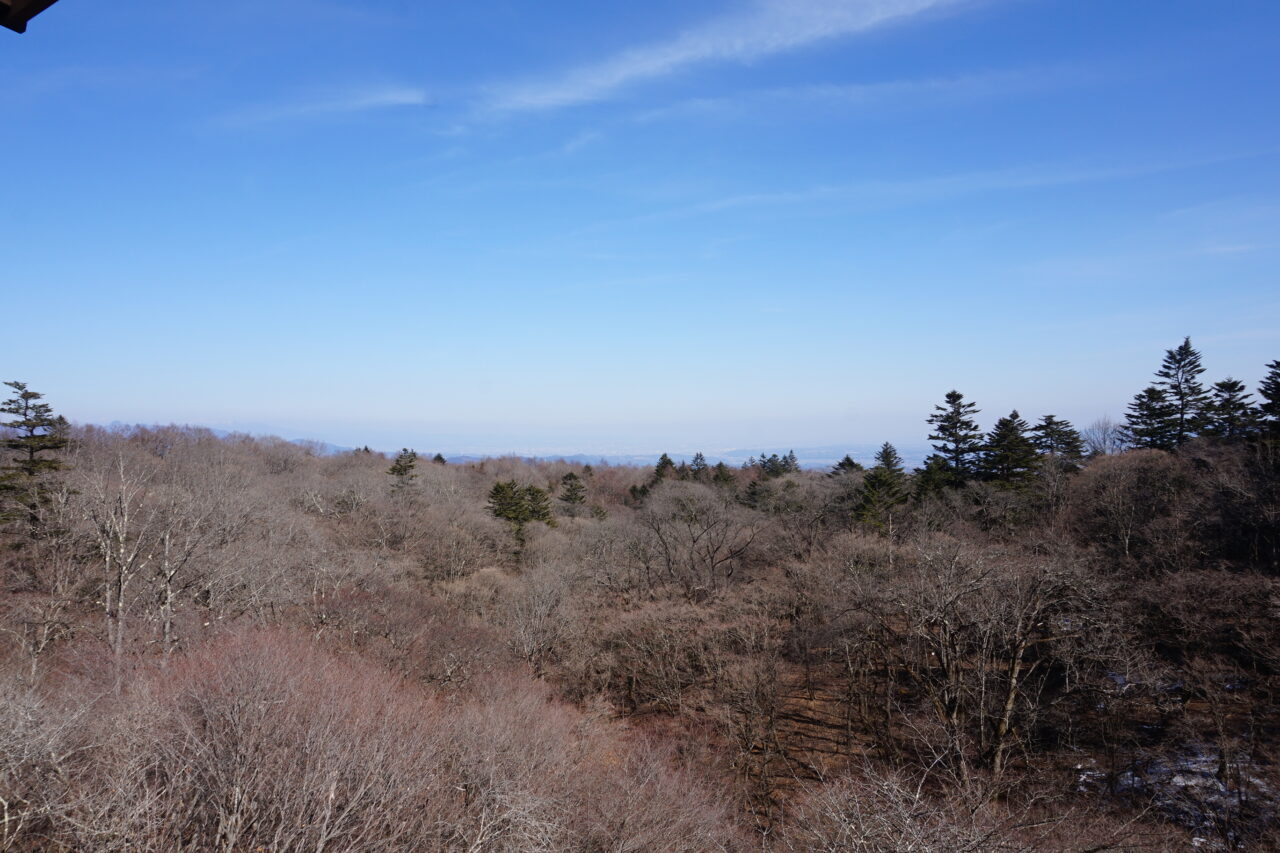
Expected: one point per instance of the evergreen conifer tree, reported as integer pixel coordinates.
(756, 493)
(845, 466)
(884, 489)
(1176, 406)
(403, 468)
(934, 476)
(1152, 420)
(698, 467)
(1053, 436)
(1231, 414)
(439, 459)
(958, 441)
(36, 435)
(38, 431)
(774, 465)
(1269, 390)
(537, 505)
(519, 505)
(721, 475)
(1179, 376)
(665, 468)
(572, 492)
(1010, 456)
(507, 502)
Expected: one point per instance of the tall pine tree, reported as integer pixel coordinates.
(572, 492)
(721, 475)
(664, 469)
(36, 435)
(958, 441)
(1179, 376)
(884, 489)
(404, 470)
(520, 505)
(1231, 413)
(1174, 408)
(845, 466)
(1151, 420)
(506, 501)
(537, 505)
(1269, 390)
(698, 467)
(1009, 457)
(1053, 436)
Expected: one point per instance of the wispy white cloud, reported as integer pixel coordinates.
(895, 93)
(330, 104)
(769, 27)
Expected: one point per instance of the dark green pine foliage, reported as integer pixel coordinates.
(774, 465)
(403, 468)
(664, 469)
(958, 442)
(519, 505)
(698, 467)
(721, 475)
(506, 501)
(1010, 457)
(1269, 390)
(439, 459)
(537, 503)
(845, 466)
(756, 493)
(1053, 436)
(1152, 420)
(572, 492)
(510, 501)
(1179, 376)
(38, 431)
(1231, 414)
(36, 435)
(933, 477)
(884, 489)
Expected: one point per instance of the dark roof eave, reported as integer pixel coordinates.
(14, 14)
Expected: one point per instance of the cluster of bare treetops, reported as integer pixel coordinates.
(1041, 640)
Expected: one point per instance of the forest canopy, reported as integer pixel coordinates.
(1044, 638)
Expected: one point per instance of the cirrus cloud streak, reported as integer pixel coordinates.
(769, 27)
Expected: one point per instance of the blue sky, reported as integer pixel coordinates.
(595, 226)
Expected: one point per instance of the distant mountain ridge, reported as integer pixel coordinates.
(812, 458)
(323, 448)
(808, 457)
